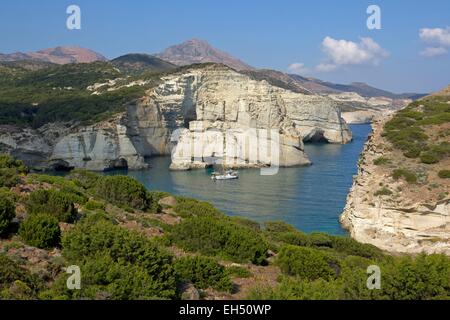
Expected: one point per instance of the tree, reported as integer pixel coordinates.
(7, 211)
(40, 230)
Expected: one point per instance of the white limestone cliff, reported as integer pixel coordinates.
(399, 223)
(204, 105)
(360, 110)
(222, 109)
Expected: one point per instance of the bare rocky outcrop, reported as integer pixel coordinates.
(200, 51)
(357, 109)
(407, 219)
(209, 107)
(238, 120)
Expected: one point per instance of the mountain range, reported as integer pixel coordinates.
(199, 51)
(58, 55)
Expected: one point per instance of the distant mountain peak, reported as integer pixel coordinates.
(137, 63)
(58, 55)
(200, 51)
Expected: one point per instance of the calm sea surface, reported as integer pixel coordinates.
(310, 198)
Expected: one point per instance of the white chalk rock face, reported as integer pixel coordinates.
(201, 114)
(98, 149)
(398, 223)
(242, 122)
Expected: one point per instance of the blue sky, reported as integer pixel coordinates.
(271, 34)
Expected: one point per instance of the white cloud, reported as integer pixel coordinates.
(433, 51)
(438, 37)
(298, 68)
(344, 52)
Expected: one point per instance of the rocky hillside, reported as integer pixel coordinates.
(400, 199)
(136, 63)
(199, 51)
(97, 116)
(58, 55)
(133, 244)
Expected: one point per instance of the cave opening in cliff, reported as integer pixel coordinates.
(120, 164)
(316, 137)
(62, 167)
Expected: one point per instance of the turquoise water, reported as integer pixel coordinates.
(310, 198)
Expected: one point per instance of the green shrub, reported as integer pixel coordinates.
(7, 210)
(83, 178)
(10, 171)
(41, 231)
(306, 263)
(203, 272)
(444, 174)
(107, 279)
(296, 238)
(10, 271)
(94, 205)
(349, 246)
(406, 129)
(319, 239)
(57, 203)
(383, 192)
(239, 272)
(8, 177)
(442, 149)
(298, 289)
(220, 237)
(187, 207)
(381, 161)
(7, 161)
(429, 157)
(122, 191)
(16, 283)
(275, 227)
(282, 232)
(246, 223)
(89, 239)
(406, 174)
(420, 278)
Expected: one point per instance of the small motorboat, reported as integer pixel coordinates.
(228, 175)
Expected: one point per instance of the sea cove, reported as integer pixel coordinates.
(310, 198)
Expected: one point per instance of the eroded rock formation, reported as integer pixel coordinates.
(211, 107)
(406, 219)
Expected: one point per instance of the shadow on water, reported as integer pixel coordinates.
(310, 198)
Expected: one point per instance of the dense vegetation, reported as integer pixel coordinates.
(407, 129)
(59, 94)
(203, 273)
(41, 231)
(10, 171)
(220, 237)
(59, 203)
(138, 64)
(7, 210)
(111, 236)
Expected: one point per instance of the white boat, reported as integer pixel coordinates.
(228, 175)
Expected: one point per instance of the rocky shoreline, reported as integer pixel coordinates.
(396, 222)
(199, 105)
